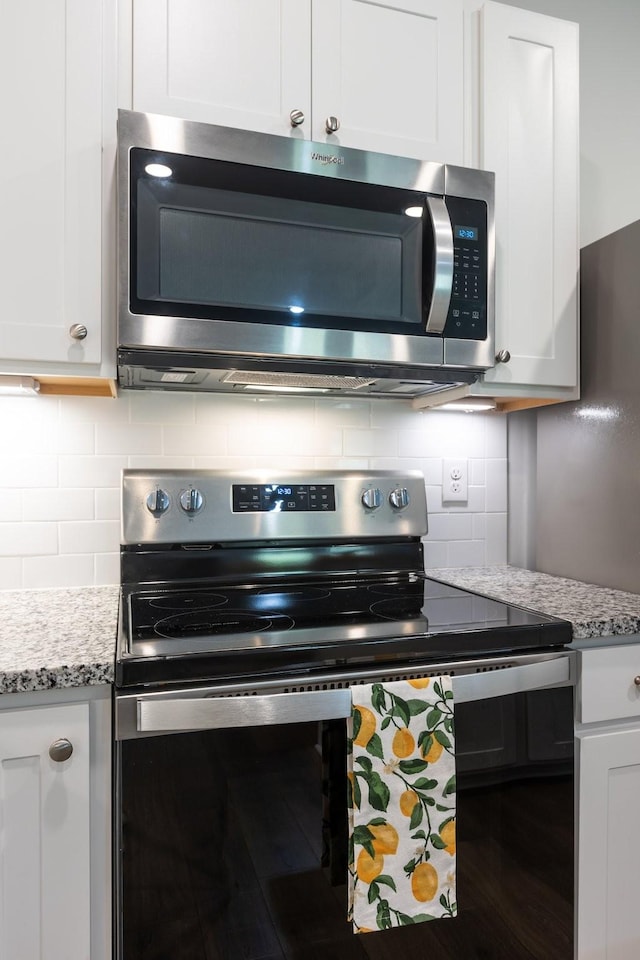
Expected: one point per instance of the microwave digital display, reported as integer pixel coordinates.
(465, 233)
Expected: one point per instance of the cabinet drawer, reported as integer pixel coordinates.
(607, 683)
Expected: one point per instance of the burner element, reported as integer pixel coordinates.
(186, 602)
(204, 623)
(400, 608)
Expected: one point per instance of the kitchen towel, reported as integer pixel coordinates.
(402, 827)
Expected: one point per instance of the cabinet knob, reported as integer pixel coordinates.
(60, 750)
(332, 124)
(296, 117)
(503, 356)
(78, 331)
(636, 680)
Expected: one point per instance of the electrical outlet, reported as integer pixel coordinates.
(455, 480)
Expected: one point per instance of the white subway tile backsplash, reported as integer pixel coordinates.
(370, 443)
(95, 409)
(107, 568)
(450, 526)
(82, 439)
(28, 470)
(91, 471)
(435, 554)
(59, 571)
(154, 406)
(496, 537)
(340, 463)
(496, 436)
(96, 536)
(479, 528)
(151, 461)
(11, 573)
(28, 539)
(204, 440)
(496, 486)
(61, 469)
(123, 438)
(477, 472)
(107, 504)
(58, 504)
(10, 505)
(469, 553)
(343, 413)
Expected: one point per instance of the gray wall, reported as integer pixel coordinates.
(573, 468)
(588, 517)
(609, 98)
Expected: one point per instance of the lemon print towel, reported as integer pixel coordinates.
(402, 826)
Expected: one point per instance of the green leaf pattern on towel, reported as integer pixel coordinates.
(401, 772)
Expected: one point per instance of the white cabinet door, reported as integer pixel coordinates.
(391, 72)
(243, 64)
(529, 137)
(45, 823)
(51, 174)
(608, 883)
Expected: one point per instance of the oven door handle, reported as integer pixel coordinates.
(174, 714)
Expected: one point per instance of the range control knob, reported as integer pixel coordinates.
(399, 498)
(371, 498)
(191, 500)
(158, 501)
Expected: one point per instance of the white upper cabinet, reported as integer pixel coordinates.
(240, 64)
(390, 72)
(51, 172)
(529, 137)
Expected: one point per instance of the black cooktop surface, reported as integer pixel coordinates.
(213, 632)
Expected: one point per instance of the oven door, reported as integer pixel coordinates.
(232, 827)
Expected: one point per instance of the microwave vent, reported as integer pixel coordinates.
(319, 381)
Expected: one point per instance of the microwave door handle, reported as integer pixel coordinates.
(443, 264)
(211, 713)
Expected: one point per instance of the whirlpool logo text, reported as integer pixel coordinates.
(326, 158)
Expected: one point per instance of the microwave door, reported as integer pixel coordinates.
(442, 264)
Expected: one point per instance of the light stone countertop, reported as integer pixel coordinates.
(593, 611)
(57, 638)
(66, 638)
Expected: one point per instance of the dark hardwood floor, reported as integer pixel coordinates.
(222, 842)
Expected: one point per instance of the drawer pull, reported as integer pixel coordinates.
(636, 680)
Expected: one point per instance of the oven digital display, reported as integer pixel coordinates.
(283, 497)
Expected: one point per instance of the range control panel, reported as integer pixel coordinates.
(279, 497)
(467, 317)
(206, 506)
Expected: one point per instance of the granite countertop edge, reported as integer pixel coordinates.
(593, 611)
(61, 638)
(57, 638)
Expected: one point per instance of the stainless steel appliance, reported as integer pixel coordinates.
(252, 260)
(250, 605)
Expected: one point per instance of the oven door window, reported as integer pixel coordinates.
(234, 842)
(226, 241)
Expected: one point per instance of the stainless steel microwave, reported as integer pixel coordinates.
(249, 261)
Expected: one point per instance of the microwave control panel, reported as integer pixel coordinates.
(467, 317)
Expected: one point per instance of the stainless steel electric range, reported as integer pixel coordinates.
(250, 604)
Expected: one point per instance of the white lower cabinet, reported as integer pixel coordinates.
(54, 828)
(608, 868)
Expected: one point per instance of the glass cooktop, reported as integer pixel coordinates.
(323, 622)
